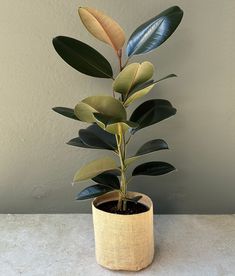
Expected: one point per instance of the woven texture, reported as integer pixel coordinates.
(123, 242)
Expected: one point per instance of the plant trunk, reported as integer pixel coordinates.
(123, 189)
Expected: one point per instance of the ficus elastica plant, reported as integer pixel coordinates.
(110, 128)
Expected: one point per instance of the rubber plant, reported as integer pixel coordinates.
(110, 128)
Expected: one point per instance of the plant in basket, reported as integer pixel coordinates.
(122, 217)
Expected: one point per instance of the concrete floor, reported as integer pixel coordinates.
(63, 245)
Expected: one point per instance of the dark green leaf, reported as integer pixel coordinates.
(93, 191)
(103, 135)
(151, 146)
(94, 137)
(151, 112)
(154, 32)
(92, 140)
(65, 111)
(77, 142)
(108, 179)
(153, 168)
(82, 57)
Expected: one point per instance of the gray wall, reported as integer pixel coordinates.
(36, 166)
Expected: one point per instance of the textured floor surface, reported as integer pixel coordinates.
(63, 245)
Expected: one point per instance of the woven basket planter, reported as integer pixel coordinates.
(123, 242)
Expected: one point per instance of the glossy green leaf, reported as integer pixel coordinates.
(82, 57)
(95, 168)
(106, 105)
(114, 126)
(107, 137)
(154, 32)
(153, 168)
(93, 191)
(108, 179)
(132, 75)
(151, 112)
(92, 140)
(151, 146)
(65, 111)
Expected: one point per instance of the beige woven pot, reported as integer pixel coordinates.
(123, 242)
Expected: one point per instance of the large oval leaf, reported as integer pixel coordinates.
(106, 105)
(82, 57)
(151, 112)
(108, 179)
(107, 137)
(95, 168)
(93, 191)
(92, 140)
(153, 168)
(102, 27)
(154, 32)
(150, 146)
(65, 111)
(78, 142)
(132, 75)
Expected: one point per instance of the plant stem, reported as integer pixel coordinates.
(121, 143)
(126, 63)
(119, 54)
(121, 152)
(128, 140)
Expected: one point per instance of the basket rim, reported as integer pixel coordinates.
(113, 195)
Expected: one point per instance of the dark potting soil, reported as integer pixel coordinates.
(132, 208)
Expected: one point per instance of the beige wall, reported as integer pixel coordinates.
(36, 166)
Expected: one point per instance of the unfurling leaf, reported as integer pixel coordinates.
(132, 75)
(102, 27)
(151, 112)
(106, 105)
(153, 168)
(82, 57)
(93, 191)
(154, 32)
(95, 168)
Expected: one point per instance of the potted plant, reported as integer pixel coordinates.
(123, 220)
